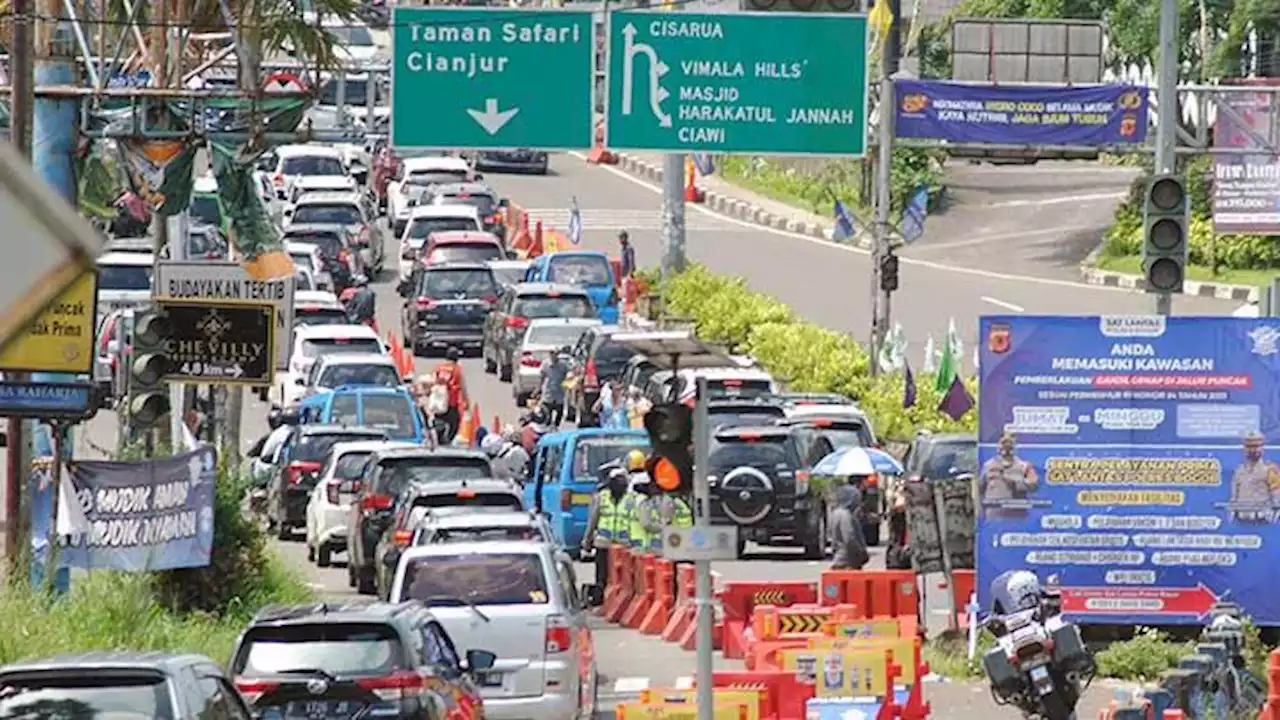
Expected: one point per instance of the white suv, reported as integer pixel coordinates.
(521, 599)
(330, 501)
(310, 343)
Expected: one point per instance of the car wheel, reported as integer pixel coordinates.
(283, 531)
(871, 531)
(324, 556)
(815, 539)
(311, 552)
(543, 168)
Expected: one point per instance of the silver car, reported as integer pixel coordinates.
(519, 599)
(439, 528)
(545, 336)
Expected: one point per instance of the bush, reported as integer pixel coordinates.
(1143, 657)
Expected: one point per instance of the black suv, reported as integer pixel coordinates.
(732, 413)
(759, 477)
(447, 305)
(597, 359)
(351, 660)
(386, 474)
(299, 463)
(101, 684)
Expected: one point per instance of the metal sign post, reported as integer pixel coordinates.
(702, 598)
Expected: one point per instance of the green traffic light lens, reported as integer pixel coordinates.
(1167, 194)
(148, 409)
(150, 369)
(1165, 275)
(1166, 235)
(152, 329)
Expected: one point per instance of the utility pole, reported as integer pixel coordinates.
(674, 258)
(889, 52)
(1166, 160)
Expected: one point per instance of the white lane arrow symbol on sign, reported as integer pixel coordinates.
(235, 371)
(490, 119)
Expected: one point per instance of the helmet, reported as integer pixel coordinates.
(538, 416)
(452, 353)
(636, 460)
(1015, 590)
(492, 444)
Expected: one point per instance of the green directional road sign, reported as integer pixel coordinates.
(491, 78)
(767, 83)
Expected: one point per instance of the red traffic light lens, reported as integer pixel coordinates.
(1167, 194)
(665, 474)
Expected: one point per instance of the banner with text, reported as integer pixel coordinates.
(140, 516)
(1246, 188)
(1124, 457)
(1021, 114)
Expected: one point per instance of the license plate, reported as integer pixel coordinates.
(491, 679)
(322, 709)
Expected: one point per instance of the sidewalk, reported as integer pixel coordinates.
(738, 202)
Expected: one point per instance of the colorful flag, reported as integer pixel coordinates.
(575, 222)
(846, 227)
(893, 350)
(957, 401)
(909, 389)
(930, 356)
(914, 214)
(881, 19)
(948, 366)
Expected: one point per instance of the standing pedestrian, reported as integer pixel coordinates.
(628, 254)
(449, 375)
(849, 545)
(611, 406)
(554, 372)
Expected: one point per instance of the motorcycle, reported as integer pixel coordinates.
(1040, 663)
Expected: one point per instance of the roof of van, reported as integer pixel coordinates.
(127, 258)
(333, 332)
(434, 162)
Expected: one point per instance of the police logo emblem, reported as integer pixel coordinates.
(998, 339)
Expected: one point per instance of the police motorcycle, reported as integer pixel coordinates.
(1040, 663)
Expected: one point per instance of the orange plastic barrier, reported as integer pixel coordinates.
(617, 594)
(515, 221)
(599, 155)
(863, 655)
(963, 582)
(739, 599)
(664, 597)
(785, 695)
(1271, 710)
(520, 239)
(684, 612)
(754, 700)
(891, 593)
(691, 192)
(644, 568)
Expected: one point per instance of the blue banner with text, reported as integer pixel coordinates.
(1021, 114)
(1123, 459)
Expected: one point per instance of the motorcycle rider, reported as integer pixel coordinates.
(362, 305)
(509, 460)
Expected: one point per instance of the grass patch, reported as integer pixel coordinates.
(813, 191)
(1132, 265)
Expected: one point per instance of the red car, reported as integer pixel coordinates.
(461, 246)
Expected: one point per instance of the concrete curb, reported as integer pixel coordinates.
(739, 209)
(1221, 291)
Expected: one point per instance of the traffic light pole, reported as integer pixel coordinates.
(1167, 112)
(702, 597)
(881, 248)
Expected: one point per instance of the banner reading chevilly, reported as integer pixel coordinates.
(1091, 115)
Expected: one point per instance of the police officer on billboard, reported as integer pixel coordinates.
(1006, 477)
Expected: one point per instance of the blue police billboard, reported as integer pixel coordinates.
(1124, 458)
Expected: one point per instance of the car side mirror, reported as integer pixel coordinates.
(480, 660)
(513, 255)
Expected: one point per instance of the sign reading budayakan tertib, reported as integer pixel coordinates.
(766, 83)
(492, 78)
(220, 343)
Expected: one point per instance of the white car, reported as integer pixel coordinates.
(318, 307)
(124, 281)
(330, 501)
(263, 454)
(287, 163)
(533, 620)
(414, 176)
(312, 341)
(306, 185)
(307, 255)
(337, 369)
(427, 219)
(305, 280)
(352, 41)
(544, 336)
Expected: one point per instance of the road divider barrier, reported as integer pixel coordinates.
(643, 569)
(599, 155)
(879, 593)
(739, 600)
(685, 611)
(664, 598)
(617, 595)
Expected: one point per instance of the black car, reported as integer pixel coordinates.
(759, 477)
(351, 660)
(447, 305)
(301, 458)
(337, 249)
(519, 304)
(597, 360)
(849, 427)
(732, 413)
(386, 475)
(119, 683)
(534, 161)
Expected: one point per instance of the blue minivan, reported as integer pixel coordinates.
(566, 475)
(383, 408)
(586, 269)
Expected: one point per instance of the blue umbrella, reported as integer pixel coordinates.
(849, 461)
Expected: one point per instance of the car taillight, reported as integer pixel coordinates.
(558, 637)
(517, 322)
(298, 470)
(376, 502)
(402, 538)
(527, 359)
(589, 378)
(566, 500)
(397, 686)
(253, 690)
(278, 180)
(490, 299)
(802, 482)
(426, 303)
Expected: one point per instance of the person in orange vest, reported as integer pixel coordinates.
(448, 374)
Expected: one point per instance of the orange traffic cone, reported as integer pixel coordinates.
(475, 423)
(691, 192)
(598, 155)
(466, 430)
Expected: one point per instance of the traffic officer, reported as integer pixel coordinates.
(1006, 477)
(672, 511)
(642, 507)
(608, 523)
(1255, 483)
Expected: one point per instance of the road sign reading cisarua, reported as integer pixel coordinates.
(768, 83)
(491, 78)
(220, 342)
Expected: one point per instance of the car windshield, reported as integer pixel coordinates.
(580, 270)
(464, 253)
(313, 165)
(333, 346)
(328, 214)
(435, 177)
(721, 417)
(591, 454)
(557, 335)
(357, 35)
(393, 413)
(553, 306)
(124, 277)
(316, 447)
(397, 473)
(338, 649)
(350, 374)
(356, 93)
(320, 316)
(738, 388)
(304, 259)
(948, 459)
(449, 283)
(420, 228)
(464, 498)
(479, 579)
(484, 203)
(611, 358)
(328, 241)
(205, 211)
(735, 451)
(847, 434)
(351, 465)
(83, 696)
(509, 275)
(305, 280)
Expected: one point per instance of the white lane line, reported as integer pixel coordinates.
(630, 685)
(847, 248)
(984, 239)
(315, 586)
(1069, 199)
(1003, 304)
(684, 682)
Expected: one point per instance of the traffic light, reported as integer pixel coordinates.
(670, 465)
(837, 6)
(889, 273)
(1166, 215)
(148, 393)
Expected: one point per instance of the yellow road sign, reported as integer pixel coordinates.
(59, 339)
(796, 623)
(771, 597)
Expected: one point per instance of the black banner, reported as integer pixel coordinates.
(220, 342)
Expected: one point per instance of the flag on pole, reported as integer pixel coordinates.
(957, 401)
(909, 389)
(930, 356)
(948, 366)
(881, 19)
(575, 222)
(846, 228)
(893, 351)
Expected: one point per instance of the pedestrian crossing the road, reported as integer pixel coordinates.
(622, 219)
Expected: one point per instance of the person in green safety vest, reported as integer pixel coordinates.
(642, 507)
(672, 511)
(608, 523)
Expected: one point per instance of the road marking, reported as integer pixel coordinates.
(859, 251)
(1094, 197)
(1003, 304)
(316, 586)
(621, 219)
(984, 239)
(684, 682)
(629, 685)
